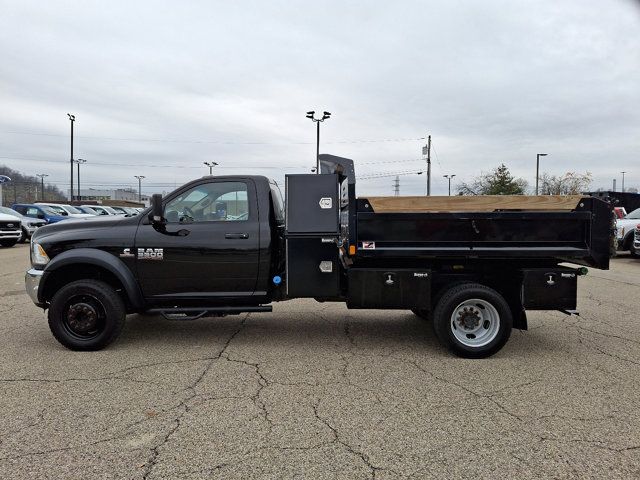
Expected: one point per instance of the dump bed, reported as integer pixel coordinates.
(567, 228)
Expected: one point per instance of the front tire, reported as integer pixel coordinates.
(86, 315)
(472, 320)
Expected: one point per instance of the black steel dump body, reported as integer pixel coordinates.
(581, 235)
(574, 229)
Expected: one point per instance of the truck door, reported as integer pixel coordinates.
(209, 247)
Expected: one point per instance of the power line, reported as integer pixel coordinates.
(218, 142)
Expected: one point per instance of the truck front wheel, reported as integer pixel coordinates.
(86, 315)
(472, 320)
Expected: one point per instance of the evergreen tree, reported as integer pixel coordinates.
(498, 182)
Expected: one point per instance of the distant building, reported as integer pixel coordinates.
(94, 194)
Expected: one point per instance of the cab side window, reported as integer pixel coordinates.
(210, 202)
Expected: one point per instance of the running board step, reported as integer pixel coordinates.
(194, 313)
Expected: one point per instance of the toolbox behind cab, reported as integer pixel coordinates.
(312, 233)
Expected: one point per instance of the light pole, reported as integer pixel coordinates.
(317, 121)
(623, 180)
(538, 155)
(449, 177)
(72, 119)
(140, 177)
(42, 175)
(79, 162)
(210, 165)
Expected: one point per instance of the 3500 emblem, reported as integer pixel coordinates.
(144, 253)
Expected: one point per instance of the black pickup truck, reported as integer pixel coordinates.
(225, 245)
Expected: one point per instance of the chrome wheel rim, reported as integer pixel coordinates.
(475, 323)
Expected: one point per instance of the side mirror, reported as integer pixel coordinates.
(156, 208)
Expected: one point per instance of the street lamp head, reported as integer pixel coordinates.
(311, 114)
(71, 117)
(419, 173)
(543, 154)
(80, 160)
(326, 115)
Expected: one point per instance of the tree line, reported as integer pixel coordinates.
(27, 189)
(500, 181)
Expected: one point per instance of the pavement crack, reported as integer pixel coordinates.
(337, 439)
(263, 382)
(183, 407)
(468, 390)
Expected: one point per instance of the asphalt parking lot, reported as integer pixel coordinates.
(317, 391)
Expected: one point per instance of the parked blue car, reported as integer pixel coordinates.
(38, 211)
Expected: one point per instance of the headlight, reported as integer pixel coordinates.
(38, 255)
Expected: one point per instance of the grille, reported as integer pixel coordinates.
(9, 226)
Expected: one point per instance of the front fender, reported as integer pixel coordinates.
(99, 258)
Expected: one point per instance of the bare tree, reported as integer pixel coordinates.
(571, 183)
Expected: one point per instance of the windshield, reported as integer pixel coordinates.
(71, 209)
(89, 210)
(9, 211)
(51, 211)
(635, 215)
(54, 210)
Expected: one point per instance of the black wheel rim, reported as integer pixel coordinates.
(84, 317)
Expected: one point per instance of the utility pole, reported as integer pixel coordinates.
(623, 180)
(72, 119)
(426, 150)
(42, 175)
(79, 162)
(538, 155)
(210, 165)
(396, 186)
(140, 177)
(449, 177)
(614, 184)
(317, 121)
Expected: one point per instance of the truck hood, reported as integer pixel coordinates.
(9, 218)
(90, 223)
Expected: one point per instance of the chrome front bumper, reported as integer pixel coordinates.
(32, 284)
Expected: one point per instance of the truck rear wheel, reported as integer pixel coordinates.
(472, 320)
(86, 315)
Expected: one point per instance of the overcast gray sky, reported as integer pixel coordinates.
(159, 87)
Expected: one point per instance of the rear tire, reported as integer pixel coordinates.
(8, 243)
(86, 315)
(472, 320)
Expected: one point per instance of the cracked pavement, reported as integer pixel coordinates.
(317, 391)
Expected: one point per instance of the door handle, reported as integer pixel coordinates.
(231, 236)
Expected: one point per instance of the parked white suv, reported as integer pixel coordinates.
(10, 230)
(626, 226)
(66, 210)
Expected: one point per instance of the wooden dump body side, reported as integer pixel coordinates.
(566, 228)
